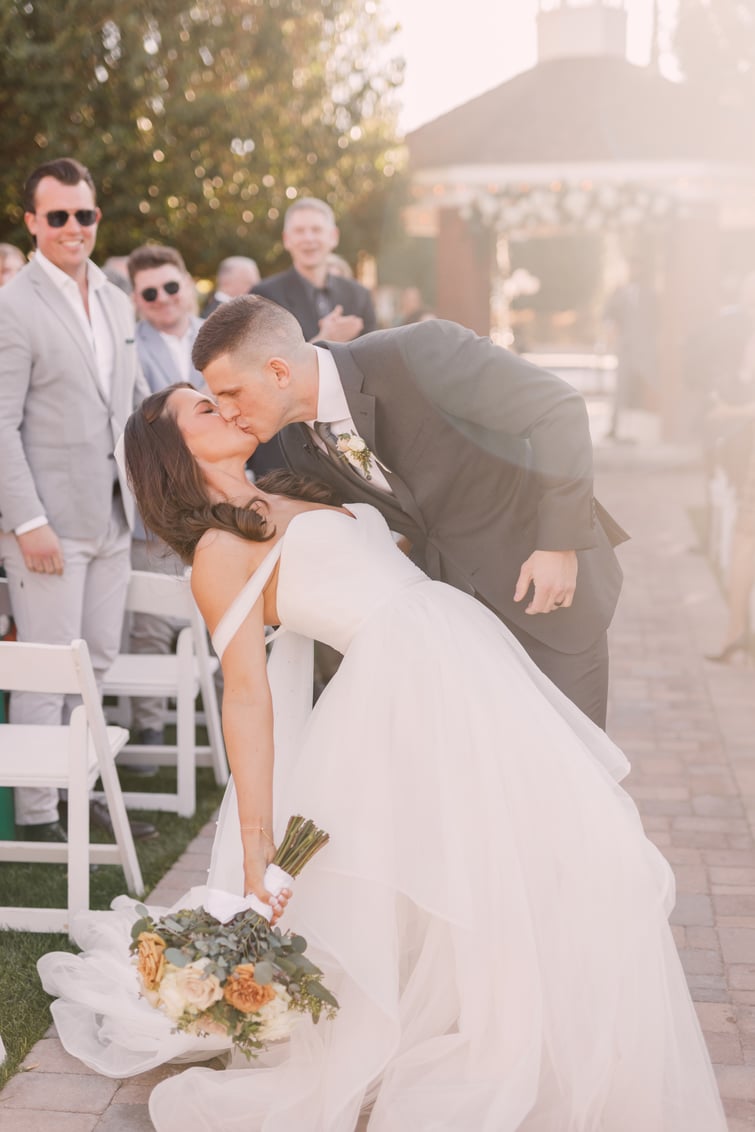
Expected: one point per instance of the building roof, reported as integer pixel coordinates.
(572, 110)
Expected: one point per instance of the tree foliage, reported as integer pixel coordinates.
(201, 120)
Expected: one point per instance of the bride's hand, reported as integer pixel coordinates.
(258, 853)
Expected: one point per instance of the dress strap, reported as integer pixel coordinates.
(238, 610)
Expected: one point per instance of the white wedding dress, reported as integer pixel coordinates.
(488, 911)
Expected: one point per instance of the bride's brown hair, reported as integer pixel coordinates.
(170, 491)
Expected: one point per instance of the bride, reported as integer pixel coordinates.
(488, 910)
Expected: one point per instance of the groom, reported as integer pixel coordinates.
(483, 461)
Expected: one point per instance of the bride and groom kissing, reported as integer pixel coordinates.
(484, 463)
(488, 912)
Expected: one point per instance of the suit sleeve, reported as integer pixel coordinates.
(19, 500)
(368, 313)
(493, 397)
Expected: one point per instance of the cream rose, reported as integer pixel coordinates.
(189, 989)
(278, 1020)
(356, 444)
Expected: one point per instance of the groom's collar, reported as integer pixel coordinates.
(331, 399)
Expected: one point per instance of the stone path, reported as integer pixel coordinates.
(688, 727)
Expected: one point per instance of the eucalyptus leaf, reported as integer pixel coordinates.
(263, 973)
(317, 990)
(176, 957)
(305, 966)
(140, 926)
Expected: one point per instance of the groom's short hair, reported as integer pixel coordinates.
(247, 324)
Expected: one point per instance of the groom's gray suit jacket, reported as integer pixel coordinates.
(490, 458)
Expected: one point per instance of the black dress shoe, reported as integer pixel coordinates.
(99, 815)
(47, 831)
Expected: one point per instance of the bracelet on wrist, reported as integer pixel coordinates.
(258, 829)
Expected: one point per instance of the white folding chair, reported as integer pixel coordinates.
(182, 675)
(70, 757)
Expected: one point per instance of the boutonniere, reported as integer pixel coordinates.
(355, 451)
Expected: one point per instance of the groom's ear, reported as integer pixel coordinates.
(281, 371)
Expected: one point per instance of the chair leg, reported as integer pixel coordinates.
(121, 829)
(78, 816)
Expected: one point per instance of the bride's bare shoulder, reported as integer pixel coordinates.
(223, 562)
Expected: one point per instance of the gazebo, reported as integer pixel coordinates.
(584, 141)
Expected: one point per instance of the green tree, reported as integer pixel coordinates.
(201, 121)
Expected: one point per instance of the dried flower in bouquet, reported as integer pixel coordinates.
(241, 978)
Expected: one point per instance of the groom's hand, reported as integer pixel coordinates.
(553, 573)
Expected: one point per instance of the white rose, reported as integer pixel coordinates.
(189, 988)
(277, 1019)
(356, 444)
(343, 444)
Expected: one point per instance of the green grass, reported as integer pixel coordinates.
(24, 1012)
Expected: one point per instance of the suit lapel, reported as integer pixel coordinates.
(116, 337)
(59, 306)
(362, 409)
(161, 355)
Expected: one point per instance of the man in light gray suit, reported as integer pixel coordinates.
(69, 377)
(162, 291)
(483, 461)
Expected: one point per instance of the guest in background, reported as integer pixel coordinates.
(12, 259)
(69, 378)
(115, 268)
(166, 330)
(236, 276)
(410, 305)
(165, 334)
(731, 427)
(326, 306)
(630, 317)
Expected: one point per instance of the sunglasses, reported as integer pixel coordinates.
(58, 218)
(149, 294)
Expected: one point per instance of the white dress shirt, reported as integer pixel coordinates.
(333, 409)
(95, 326)
(180, 350)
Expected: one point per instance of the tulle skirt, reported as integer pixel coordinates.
(488, 912)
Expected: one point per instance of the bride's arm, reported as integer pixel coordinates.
(247, 712)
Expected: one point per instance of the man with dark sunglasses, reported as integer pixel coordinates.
(69, 377)
(163, 294)
(164, 298)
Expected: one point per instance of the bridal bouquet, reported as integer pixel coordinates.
(227, 971)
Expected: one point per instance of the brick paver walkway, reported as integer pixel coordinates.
(688, 727)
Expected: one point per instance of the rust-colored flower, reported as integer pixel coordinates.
(151, 960)
(242, 992)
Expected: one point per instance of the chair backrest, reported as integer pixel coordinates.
(162, 594)
(27, 667)
(41, 668)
